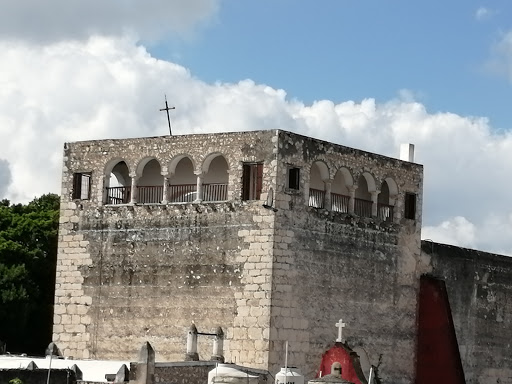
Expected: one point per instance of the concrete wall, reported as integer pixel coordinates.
(479, 287)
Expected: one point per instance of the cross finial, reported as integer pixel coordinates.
(167, 110)
(340, 324)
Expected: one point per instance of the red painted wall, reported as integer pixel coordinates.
(438, 358)
(339, 354)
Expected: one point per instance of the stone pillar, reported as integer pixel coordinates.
(122, 375)
(218, 346)
(352, 200)
(52, 350)
(146, 365)
(375, 195)
(165, 198)
(199, 187)
(133, 195)
(192, 354)
(327, 200)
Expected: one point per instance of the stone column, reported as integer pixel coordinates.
(375, 195)
(192, 354)
(352, 200)
(199, 188)
(328, 200)
(146, 365)
(165, 198)
(218, 346)
(133, 192)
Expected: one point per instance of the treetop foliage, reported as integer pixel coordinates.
(28, 253)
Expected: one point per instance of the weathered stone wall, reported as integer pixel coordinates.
(479, 287)
(131, 273)
(134, 273)
(192, 372)
(330, 265)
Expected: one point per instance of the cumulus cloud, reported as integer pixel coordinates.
(456, 231)
(57, 20)
(112, 87)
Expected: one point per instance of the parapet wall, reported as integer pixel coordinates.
(479, 288)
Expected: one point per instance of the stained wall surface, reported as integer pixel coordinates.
(479, 287)
(363, 270)
(135, 272)
(288, 271)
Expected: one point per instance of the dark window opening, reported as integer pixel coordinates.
(294, 178)
(82, 186)
(252, 181)
(410, 206)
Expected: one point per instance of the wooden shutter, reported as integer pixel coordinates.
(259, 180)
(246, 182)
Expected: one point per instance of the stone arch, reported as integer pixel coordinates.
(215, 177)
(117, 182)
(386, 199)
(340, 190)
(111, 164)
(363, 203)
(318, 175)
(342, 181)
(182, 179)
(176, 160)
(150, 182)
(393, 187)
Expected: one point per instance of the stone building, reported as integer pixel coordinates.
(268, 234)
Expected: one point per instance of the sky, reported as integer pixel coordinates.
(365, 74)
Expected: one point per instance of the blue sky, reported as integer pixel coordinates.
(339, 50)
(366, 74)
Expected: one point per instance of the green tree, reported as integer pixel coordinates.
(28, 253)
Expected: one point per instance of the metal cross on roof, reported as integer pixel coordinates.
(168, 117)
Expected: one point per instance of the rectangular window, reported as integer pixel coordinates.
(252, 181)
(82, 186)
(410, 206)
(294, 178)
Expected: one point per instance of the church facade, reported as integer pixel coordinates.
(270, 235)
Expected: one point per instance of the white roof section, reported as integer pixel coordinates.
(92, 370)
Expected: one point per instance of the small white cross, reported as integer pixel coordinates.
(340, 326)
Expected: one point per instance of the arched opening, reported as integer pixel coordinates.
(363, 198)
(215, 179)
(340, 194)
(119, 183)
(384, 209)
(386, 200)
(150, 185)
(183, 183)
(318, 173)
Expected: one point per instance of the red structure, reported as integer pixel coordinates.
(438, 358)
(350, 367)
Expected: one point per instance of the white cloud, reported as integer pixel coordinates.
(483, 14)
(455, 231)
(106, 87)
(57, 20)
